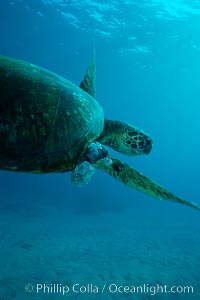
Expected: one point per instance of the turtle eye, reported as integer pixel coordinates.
(148, 144)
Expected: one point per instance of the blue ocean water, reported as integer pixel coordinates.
(51, 232)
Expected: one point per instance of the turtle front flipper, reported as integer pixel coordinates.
(132, 178)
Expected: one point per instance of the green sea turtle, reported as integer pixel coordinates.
(48, 124)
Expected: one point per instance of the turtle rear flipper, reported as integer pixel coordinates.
(132, 178)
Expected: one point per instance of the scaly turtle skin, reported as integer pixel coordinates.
(47, 125)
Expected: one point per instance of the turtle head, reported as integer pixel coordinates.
(125, 138)
(133, 141)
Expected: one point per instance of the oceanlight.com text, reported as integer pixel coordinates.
(111, 288)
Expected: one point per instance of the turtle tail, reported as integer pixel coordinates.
(134, 179)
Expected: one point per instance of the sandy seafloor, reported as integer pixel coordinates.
(52, 244)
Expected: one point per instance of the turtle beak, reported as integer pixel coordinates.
(149, 144)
